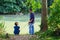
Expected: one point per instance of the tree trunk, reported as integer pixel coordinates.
(44, 26)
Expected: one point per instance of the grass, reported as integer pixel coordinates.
(48, 35)
(3, 36)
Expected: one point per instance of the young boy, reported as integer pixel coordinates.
(16, 29)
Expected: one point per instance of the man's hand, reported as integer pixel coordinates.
(30, 21)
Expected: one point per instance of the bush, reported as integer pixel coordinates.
(3, 36)
(2, 33)
(54, 18)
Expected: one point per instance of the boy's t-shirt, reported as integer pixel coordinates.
(32, 17)
(16, 29)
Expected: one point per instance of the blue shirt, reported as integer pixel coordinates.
(16, 29)
(32, 17)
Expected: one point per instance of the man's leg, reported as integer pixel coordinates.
(31, 29)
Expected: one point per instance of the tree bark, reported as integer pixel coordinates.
(44, 26)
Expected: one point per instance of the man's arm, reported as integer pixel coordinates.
(30, 20)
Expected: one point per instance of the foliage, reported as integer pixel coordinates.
(2, 36)
(47, 35)
(50, 2)
(54, 18)
(34, 4)
(13, 6)
(10, 6)
(43, 34)
(2, 33)
(1, 27)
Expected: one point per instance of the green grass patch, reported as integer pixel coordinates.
(48, 35)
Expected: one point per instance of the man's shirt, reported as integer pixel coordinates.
(32, 17)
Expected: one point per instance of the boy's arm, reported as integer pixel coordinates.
(19, 27)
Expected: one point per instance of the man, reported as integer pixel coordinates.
(31, 23)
